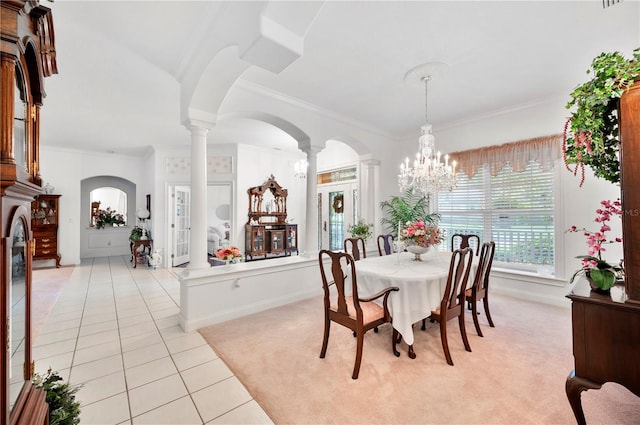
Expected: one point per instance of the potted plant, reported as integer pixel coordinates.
(410, 206)
(109, 217)
(61, 397)
(591, 132)
(601, 274)
(361, 230)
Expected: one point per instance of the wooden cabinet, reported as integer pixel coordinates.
(44, 224)
(28, 56)
(267, 233)
(269, 241)
(606, 333)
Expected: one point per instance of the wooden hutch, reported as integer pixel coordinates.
(267, 233)
(606, 334)
(28, 56)
(44, 225)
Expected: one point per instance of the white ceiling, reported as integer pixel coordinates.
(120, 63)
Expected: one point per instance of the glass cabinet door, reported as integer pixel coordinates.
(277, 241)
(18, 311)
(258, 240)
(292, 238)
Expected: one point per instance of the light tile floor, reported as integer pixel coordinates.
(115, 330)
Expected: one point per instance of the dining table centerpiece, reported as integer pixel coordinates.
(601, 274)
(419, 236)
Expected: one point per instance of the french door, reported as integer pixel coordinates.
(181, 225)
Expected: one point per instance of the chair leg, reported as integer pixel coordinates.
(445, 343)
(325, 341)
(360, 342)
(476, 322)
(394, 341)
(463, 330)
(424, 324)
(375, 329)
(485, 302)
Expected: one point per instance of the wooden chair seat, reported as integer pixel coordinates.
(371, 311)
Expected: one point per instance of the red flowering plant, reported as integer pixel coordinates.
(421, 233)
(600, 272)
(229, 253)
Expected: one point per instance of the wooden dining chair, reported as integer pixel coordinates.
(452, 304)
(480, 287)
(460, 240)
(355, 247)
(385, 244)
(351, 311)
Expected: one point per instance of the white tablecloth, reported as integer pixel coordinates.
(421, 284)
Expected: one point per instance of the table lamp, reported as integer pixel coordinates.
(143, 215)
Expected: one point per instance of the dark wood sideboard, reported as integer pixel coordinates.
(606, 334)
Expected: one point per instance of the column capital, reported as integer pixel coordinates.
(193, 124)
(311, 148)
(370, 162)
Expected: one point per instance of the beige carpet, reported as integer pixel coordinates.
(515, 374)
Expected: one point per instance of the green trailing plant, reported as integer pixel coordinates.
(361, 230)
(591, 132)
(61, 397)
(410, 206)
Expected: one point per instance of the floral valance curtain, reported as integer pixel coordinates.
(544, 150)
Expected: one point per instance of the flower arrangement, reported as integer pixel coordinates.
(360, 230)
(229, 253)
(108, 217)
(591, 133)
(600, 272)
(421, 233)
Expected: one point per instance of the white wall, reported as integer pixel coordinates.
(64, 169)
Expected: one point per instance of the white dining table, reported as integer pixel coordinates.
(421, 284)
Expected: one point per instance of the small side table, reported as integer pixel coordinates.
(135, 254)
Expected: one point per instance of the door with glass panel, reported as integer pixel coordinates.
(181, 225)
(336, 209)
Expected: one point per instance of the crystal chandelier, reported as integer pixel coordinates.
(427, 174)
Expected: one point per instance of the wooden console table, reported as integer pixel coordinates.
(135, 254)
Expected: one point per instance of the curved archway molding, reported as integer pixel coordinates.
(268, 35)
(105, 242)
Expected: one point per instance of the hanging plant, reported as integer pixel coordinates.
(591, 132)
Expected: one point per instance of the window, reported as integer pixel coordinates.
(514, 209)
(110, 197)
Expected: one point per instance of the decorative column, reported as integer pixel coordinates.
(198, 217)
(368, 192)
(311, 220)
